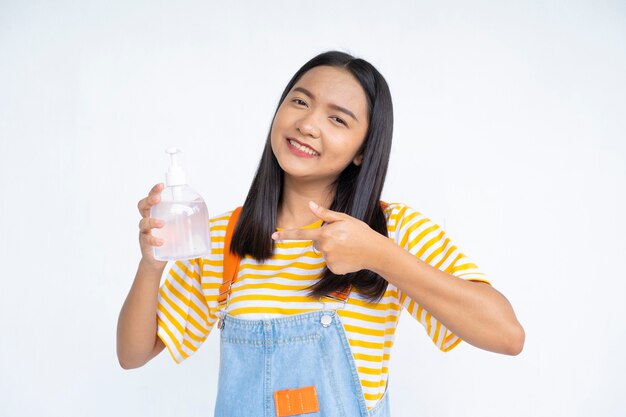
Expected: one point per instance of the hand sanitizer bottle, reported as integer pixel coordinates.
(185, 233)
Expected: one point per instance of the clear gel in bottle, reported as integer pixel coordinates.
(185, 233)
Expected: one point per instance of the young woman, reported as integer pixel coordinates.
(323, 268)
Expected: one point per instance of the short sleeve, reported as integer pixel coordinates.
(183, 315)
(424, 239)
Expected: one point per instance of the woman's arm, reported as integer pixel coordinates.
(137, 340)
(474, 311)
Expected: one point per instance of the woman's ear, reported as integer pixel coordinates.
(358, 159)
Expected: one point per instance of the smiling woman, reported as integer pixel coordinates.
(308, 278)
(314, 127)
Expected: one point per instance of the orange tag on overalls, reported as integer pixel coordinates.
(291, 402)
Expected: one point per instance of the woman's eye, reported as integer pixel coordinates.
(339, 120)
(299, 101)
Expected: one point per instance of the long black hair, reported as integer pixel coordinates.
(358, 188)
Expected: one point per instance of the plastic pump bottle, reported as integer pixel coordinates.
(185, 233)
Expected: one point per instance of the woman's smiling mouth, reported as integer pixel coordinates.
(300, 149)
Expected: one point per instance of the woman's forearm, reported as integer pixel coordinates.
(474, 311)
(137, 340)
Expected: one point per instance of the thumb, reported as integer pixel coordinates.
(325, 214)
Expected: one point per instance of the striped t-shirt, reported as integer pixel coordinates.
(187, 304)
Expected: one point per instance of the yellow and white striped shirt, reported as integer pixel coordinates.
(187, 304)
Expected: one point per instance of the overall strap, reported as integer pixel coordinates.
(231, 263)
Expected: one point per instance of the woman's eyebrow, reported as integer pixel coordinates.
(332, 106)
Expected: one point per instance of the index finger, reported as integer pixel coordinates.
(152, 199)
(156, 189)
(296, 234)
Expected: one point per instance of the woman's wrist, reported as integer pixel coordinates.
(150, 269)
(382, 251)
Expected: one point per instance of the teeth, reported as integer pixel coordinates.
(302, 148)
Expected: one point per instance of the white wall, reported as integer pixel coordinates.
(510, 121)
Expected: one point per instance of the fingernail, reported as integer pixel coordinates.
(313, 205)
(275, 235)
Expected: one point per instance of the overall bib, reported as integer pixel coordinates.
(258, 358)
(297, 365)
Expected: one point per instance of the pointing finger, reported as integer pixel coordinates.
(296, 234)
(325, 214)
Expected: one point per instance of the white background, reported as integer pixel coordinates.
(510, 133)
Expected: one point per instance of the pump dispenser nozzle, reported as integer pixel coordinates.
(175, 174)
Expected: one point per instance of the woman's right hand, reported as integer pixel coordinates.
(146, 240)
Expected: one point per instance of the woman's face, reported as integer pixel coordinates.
(320, 125)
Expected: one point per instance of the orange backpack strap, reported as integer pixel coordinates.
(231, 260)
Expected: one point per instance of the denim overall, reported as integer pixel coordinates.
(261, 358)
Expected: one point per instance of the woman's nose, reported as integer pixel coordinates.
(308, 126)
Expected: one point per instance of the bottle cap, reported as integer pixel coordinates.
(175, 175)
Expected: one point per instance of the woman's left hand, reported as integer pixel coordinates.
(348, 244)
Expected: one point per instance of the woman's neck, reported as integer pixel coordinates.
(294, 211)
